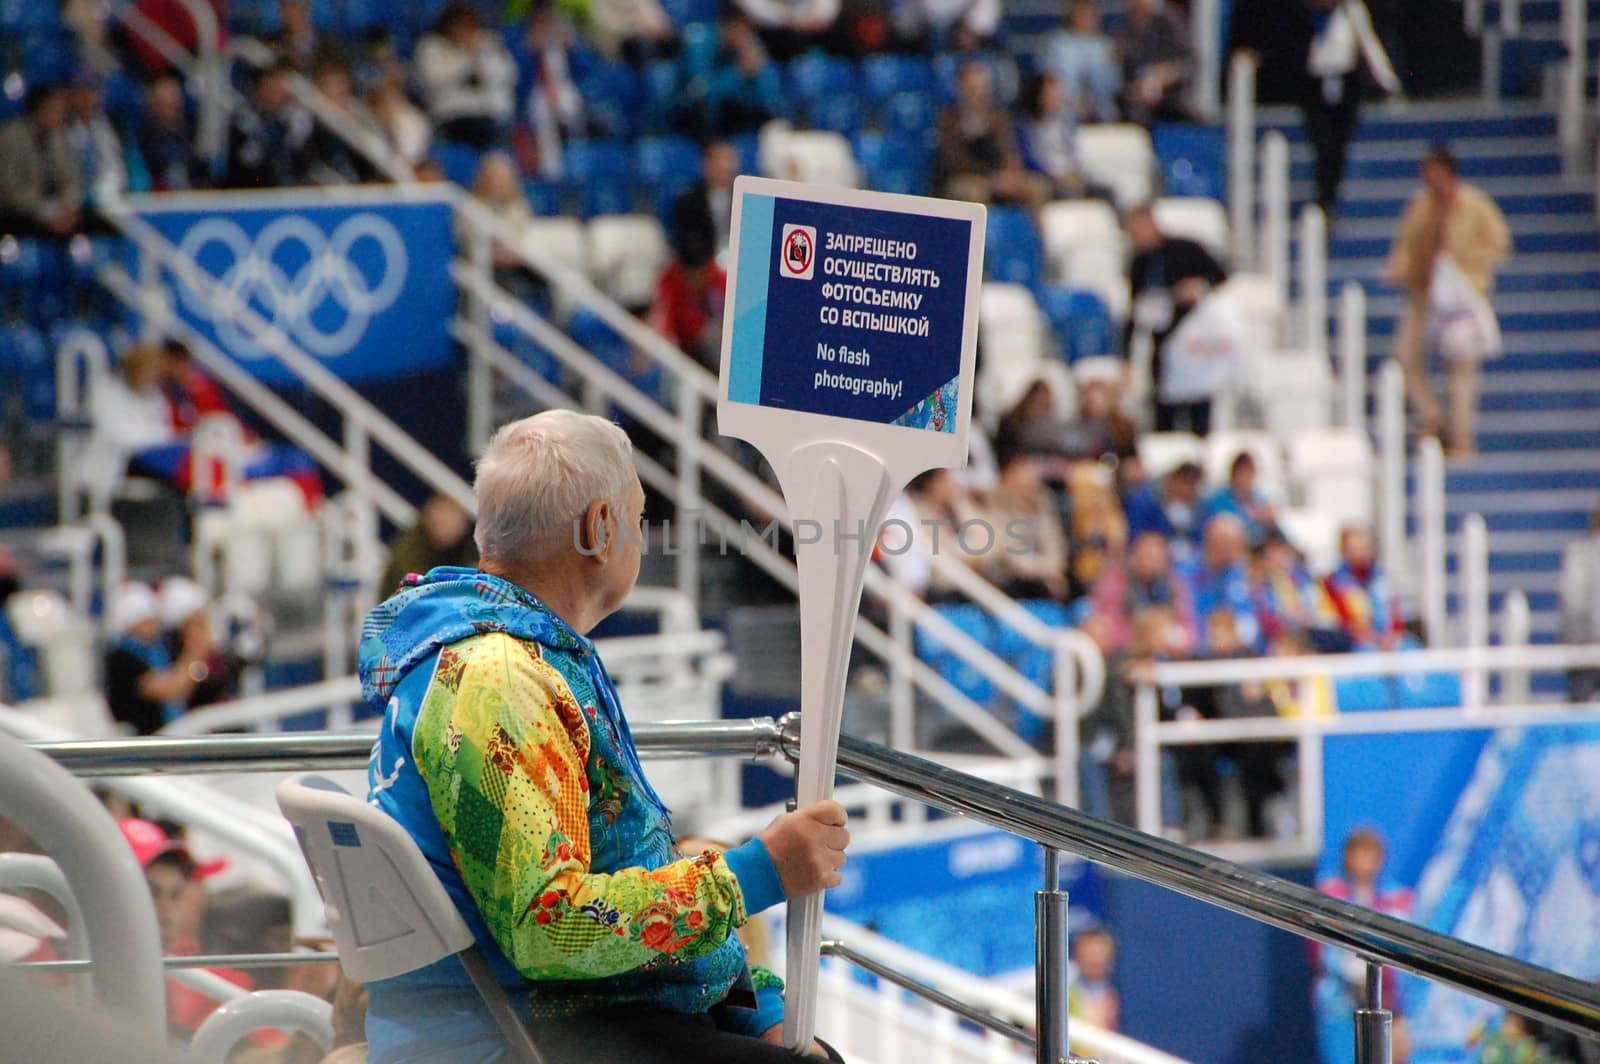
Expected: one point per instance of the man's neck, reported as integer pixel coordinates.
(557, 589)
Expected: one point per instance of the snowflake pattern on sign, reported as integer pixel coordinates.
(1518, 872)
(936, 413)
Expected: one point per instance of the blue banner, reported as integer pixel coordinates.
(850, 311)
(357, 279)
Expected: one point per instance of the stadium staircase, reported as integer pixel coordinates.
(1537, 476)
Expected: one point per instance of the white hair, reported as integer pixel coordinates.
(539, 475)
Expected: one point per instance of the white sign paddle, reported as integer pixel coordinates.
(848, 363)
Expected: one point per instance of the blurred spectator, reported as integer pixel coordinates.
(299, 43)
(1157, 64)
(1085, 61)
(334, 161)
(498, 190)
(1098, 529)
(1580, 606)
(1169, 506)
(248, 920)
(1092, 998)
(789, 27)
(186, 616)
(934, 510)
(403, 125)
(1341, 977)
(1100, 414)
(1342, 50)
(189, 391)
(690, 300)
(175, 879)
(1218, 578)
(1448, 218)
(174, 23)
(1169, 277)
(1105, 731)
(269, 139)
(555, 106)
(635, 30)
(931, 25)
(41, 186)
(744, 90)
(1517, 1041)
(1146, 580)
(1240, 498)
(1026, 541)
(349, 1023)
(441, 536)
(1357, 592)
(467, 77)
(94, 141)
(147, 683)
(1048, 136)
(1032, 427)
(166, 139)
(1302, 695)
(129, 414)
(703, 214)
(1286, 596)
(977, 156)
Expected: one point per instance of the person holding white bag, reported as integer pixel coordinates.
(1450, 240)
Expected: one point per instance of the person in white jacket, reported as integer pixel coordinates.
(468, 78)
(1344, 46)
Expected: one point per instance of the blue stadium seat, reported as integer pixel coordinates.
(700, 40)
(1193, 160)
(124, 101)
(748, 147)
(26, 364)
(910, 113)
(836, 112)
(884, 75)
(612, 96)
(588, 160)
(1013, 251)
(527, 352)
(894, 162)
(974, 622)
(19, 15)
(683, 12)
(49, 53)
(661, 161)
(545, 198)
(604, 194)
(660, 81)
(458, 161)
(1081, 321)
(815, 75)
(609, 346)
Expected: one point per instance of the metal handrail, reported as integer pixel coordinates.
(1559, 999)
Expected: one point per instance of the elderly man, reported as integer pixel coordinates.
(506, 755)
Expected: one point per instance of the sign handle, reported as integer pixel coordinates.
(849, 492)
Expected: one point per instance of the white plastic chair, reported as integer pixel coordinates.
(282, 1010)
(64, 640)
(1223, 447)
(627, 253)
(1069, 226)
(560, 239)
(1329, 450)
(1295, 391)
(1122, 158)
(1315, 534)
(1197, 218)
(1162, 452)
(817, 157)
(387, 909)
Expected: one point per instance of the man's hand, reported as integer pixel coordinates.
(774, 1035)
(807, 848)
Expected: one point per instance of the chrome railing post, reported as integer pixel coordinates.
(1374, 1023)
(1051, 978)
(1431, 531)
(688, 482)
(1313, 279)
(1472, 561)
(1516, 626)
(1147, 759)
(1242, 161)
(1205, 32)
(1572, 127)
(1392, 475)
(1274, 260)
(1068, 709)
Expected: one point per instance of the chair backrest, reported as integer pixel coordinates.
(1316, 534)
(388, 911)
(559, 238)
(1343, 450)
(627, 253)
(1069, 226)
(1223, 447)
(819, 157)
(1162, 452)
(1205, 221)
(1122, 158)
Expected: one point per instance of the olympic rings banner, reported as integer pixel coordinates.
(357, 278)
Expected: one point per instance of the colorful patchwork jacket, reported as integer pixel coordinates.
(505, 754)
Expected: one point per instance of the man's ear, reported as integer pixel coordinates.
(594, 530)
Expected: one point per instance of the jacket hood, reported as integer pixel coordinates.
(444, 606)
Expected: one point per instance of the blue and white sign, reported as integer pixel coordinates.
(852, 304)
(356, 278)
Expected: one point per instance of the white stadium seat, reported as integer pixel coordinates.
(1122, 158)
(1315, 533)
(1013, 341)
(1085, 248)
(627, 253)
(1162, 452)
(1223, 447)
(1294, 390)
(1196, 218)
(1334, 469)
(815, 156)
(560, 239)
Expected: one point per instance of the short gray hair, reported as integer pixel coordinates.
(539, 475)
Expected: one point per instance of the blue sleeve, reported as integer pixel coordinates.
(752, 866)
(753, 1023)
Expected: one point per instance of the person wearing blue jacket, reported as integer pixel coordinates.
(506, 755)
